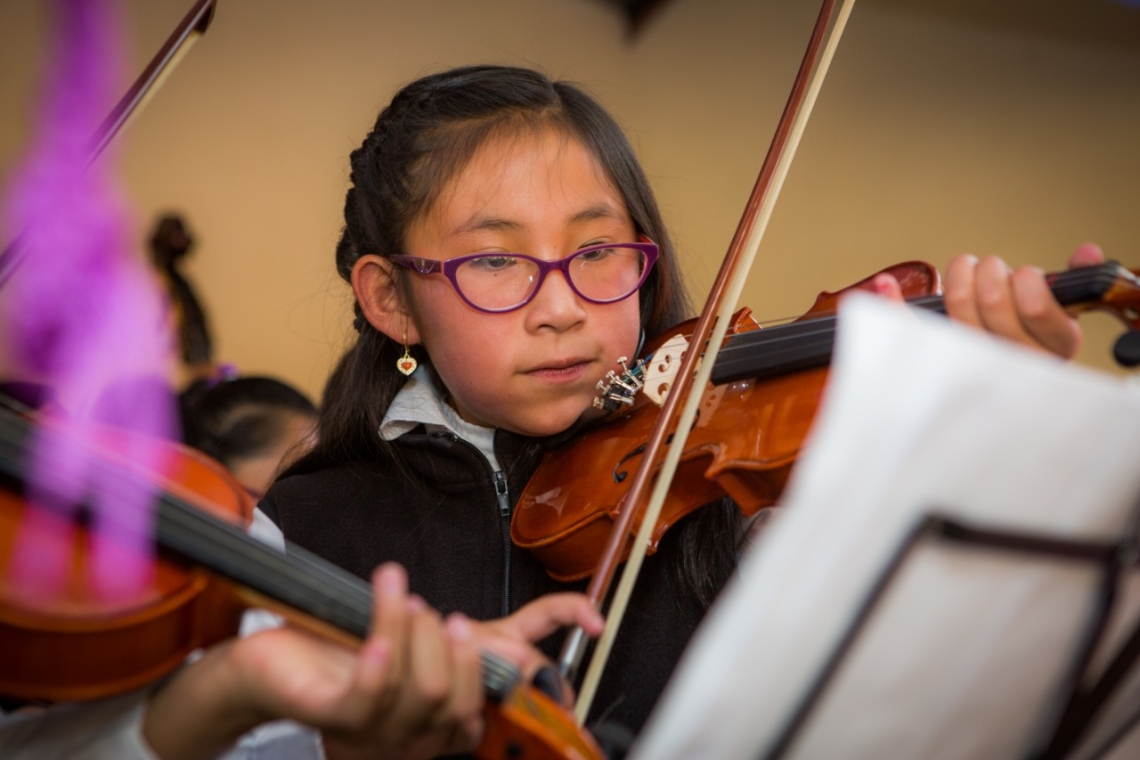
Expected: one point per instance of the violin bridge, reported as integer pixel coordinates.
(662, 367)
(619, 390)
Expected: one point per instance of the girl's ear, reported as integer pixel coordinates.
(374, 283)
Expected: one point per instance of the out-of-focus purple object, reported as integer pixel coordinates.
(83, 316)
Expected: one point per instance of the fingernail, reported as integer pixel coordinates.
(377, 651)
(547, 680)
(459, 627)
(390, 581)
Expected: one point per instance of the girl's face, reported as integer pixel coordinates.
(533, 370)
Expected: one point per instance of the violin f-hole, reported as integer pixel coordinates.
(619, 474)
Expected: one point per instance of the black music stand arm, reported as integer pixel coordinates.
(1074, 709)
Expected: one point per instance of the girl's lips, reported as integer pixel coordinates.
(561, 372)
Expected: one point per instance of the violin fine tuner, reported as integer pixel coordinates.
(619, 390)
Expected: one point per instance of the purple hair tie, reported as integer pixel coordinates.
(223, 374)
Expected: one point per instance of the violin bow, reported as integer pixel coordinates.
(690, 382)
(192, 26)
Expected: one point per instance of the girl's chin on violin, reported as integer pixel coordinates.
(547, 401)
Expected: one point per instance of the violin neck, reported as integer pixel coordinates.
(295, 578)
(808, 343)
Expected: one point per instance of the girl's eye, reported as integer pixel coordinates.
(597, 255)
(492, 263)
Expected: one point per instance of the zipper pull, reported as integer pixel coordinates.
(501, 493)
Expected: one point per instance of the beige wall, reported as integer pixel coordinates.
(934, 134)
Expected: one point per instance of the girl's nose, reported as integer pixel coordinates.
(555, 306)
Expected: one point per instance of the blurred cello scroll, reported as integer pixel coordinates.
(959, 552)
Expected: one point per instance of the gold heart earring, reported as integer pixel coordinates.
(406, 363)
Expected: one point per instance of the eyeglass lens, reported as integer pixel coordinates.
(501, 282)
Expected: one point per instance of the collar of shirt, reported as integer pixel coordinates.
(420, 403)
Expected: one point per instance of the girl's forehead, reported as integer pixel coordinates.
(525, 176)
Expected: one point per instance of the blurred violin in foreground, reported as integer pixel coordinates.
(78, 645)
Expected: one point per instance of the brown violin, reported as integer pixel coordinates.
(753, 418)
(77, 645)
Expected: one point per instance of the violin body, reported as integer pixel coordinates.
(746, 438)
(529, 724)
(75, 644)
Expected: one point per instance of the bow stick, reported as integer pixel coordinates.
(689, 383)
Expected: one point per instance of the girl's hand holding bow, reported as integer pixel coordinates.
(511, 637)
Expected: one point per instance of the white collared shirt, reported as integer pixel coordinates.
(419, 402)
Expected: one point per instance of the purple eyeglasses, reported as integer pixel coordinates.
(502, 282)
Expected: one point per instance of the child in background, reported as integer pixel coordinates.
(249, 424)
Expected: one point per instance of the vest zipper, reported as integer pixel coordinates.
(502, 494)
(505, 523)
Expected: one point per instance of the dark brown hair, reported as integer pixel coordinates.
(244, 417)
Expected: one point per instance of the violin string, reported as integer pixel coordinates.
(183, 527)
(1073, 278)
(1077, 277)
(805, 330)
(225, 548)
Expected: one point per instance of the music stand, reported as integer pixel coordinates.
(951, 576)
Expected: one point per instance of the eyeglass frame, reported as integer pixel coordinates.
(448, 268)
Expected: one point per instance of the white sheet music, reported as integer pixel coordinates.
(961, 657)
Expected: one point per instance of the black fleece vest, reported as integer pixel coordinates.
(432, 506)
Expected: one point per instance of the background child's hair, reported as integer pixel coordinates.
(240, 418)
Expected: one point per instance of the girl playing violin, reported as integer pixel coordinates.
(505, 249)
